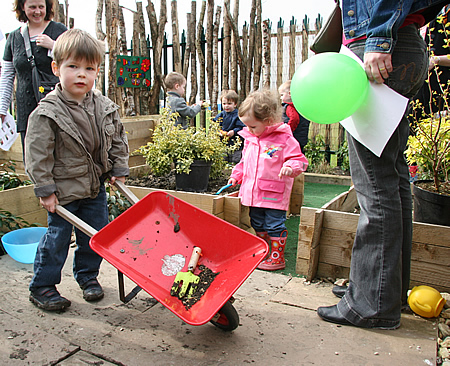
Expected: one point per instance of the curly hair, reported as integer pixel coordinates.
(20, 13)
(263, 105)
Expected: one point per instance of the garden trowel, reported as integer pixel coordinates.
(185, 283)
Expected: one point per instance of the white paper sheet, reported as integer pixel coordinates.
(376, 120)
(8, 132)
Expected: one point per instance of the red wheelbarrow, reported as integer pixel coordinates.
(153, 240)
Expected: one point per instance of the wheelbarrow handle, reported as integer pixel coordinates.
(75, 221)
(126, 192)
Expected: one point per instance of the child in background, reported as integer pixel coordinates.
(176, 89)
(299, 124)
(75, 141)
(270, 160)
(230, 122)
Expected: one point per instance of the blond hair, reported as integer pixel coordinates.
(230, 95)
(78, 44)
(263, 105)
(174, 78)
(285, 87)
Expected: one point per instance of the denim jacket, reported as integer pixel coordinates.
(381, 31)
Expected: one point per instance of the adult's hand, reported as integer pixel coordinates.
(45, 41)
(2, 116)
(377, 66)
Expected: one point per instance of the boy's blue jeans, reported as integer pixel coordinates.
(54, 246)
(380, 265)
(268, 219)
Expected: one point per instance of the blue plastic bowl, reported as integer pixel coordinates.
(22, 244)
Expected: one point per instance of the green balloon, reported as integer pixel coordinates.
(329, 87)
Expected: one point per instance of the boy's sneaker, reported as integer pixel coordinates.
(92, 291)
(48, 298)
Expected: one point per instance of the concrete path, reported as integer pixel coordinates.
(278, 326)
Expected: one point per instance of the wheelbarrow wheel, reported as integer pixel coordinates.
(226, 318)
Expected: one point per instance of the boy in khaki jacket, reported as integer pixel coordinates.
(75, 141)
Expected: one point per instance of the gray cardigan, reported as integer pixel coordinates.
(178, 105)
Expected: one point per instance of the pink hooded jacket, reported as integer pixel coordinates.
(262, 159)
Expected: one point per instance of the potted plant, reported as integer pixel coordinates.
(429, 142)
(194, 153)
(429, 149)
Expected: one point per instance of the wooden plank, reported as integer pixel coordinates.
(431, 234)
(326, 270)
(296, 201)
(232, 209)
(440, 288)
(200, 200)
(315, 245)
(218, 204)
(430, 274)
(338, 238)
(19, 200)
(434, 254)
(345, 202)
(339, 220)
(307, 216)
(328, 179)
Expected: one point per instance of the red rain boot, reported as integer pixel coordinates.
(263, 235)
(276, 260)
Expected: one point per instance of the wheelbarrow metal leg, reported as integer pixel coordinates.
(131, 295)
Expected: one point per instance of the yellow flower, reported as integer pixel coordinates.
(41, 89)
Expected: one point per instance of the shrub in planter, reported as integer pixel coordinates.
(172, 147)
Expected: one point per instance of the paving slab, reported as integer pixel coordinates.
(278, 326)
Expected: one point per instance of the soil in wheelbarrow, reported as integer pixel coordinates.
(206, 276)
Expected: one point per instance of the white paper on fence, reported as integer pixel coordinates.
(8, 132)
(376, 120)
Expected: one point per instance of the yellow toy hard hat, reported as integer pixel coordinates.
(426, 301)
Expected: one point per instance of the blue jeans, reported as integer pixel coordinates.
(54, 246)
(268, 219)
(381, 256)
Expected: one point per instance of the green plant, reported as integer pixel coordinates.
(429, 148)
(342, 156)
(429, 145)
(314, 152)
(117, 204)
(173, 147)
(9, 178)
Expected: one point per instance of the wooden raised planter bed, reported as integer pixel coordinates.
(227, 207)
(326, 239)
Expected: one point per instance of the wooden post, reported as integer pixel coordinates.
(258, 47)
(187, 51)
(201, 59)
(209, 46)
(192, 27)
(157, 35)
(243, 65)
(251, 48)
(292, 36)
(175, 38)
(266, 53)
(215, 92)
(112, 15)
(280, 49)
(226, 49)
(100, 83)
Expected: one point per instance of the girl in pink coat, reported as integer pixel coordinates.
(271, 159)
